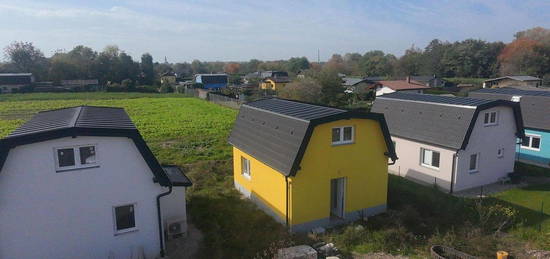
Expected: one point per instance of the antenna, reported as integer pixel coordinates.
(318, 56)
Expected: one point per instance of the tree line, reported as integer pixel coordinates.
(528, 53)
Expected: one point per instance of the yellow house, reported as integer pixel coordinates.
(274, 83)
(309, 165)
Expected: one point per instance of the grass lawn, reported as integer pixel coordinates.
(178, 130)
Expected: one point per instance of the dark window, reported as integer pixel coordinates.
(335, 134)
(473, 162)
(348, 132)
(435, 159)
(535, 142)
(65, 157)
(486, 119)
(87, 155)
(125, 218)
(493, 117)
(525, 141)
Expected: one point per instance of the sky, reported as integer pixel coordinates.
(233, 30)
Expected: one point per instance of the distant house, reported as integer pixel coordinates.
(80, 84)
(14, 82)
(81, 182)
(535, 108)
(391, 86)
(352, 84)
(455, 143)
(212, 81)
(429, 81)
(168, 78)
(273, 80)
(513, 81)
(308, 165)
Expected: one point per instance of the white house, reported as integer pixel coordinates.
(455, 143)
(81, 182)
(392, 86)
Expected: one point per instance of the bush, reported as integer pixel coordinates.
(165, 88)
(531, 170)
(114, 87)
(128, 84)
(147, 89)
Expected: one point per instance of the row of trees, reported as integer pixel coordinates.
(529, 54)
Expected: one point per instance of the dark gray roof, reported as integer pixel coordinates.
(351, 81)
(438, 120)
(81, 116)
(535, 105)
(81, 121)
(176, 176)
(277, 131)
(518, 78)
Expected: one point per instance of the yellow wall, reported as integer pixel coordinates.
(265, 183)
(269, 84)
(363, 163)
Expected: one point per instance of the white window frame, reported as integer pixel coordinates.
(500, 152)
(476, 169)
(341, 140)
(245, 168)
(490, 123)
(127, 230)
(77, 162)
(530, 147)
(422, 154)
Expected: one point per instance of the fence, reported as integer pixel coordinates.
(214, 97)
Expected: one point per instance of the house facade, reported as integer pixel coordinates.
(212, 81)
(13, 82)
(513, 81)
(535, 108)
(81, 200)
(452, 142)
(274, 83)
(392, 86)
(309, 166)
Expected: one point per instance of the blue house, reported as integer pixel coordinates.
(535, 110)
(212, 81)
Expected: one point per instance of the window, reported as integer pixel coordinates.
(430, 158)
(342, 135)
(245, 167)
(500, 152)
(125, 220)
(474, 161)
(75, 157)
(490, 119)
(531, 142)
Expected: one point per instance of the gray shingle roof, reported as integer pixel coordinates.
(438, 120)
(518, 78)
(277, 131)
(351, 81)
(535, 105)
(82, 117)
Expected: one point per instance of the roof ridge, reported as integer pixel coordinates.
(74, 120)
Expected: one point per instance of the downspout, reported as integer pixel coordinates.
(161, 234)
(453, 172)
(286, 214)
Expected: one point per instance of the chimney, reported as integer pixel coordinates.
(409, 79)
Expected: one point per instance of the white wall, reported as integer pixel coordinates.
(486, 141)
(173, 206)
(408, 165)
(49, 214)
(383, 90)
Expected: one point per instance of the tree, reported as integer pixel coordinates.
(147, 70)
(232, 68)
(410, 63)
(376, 63)
(306, 90)
(332, 91)
(335, 64)
(295, 65)
(26, 58)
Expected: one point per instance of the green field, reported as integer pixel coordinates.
(178, 130)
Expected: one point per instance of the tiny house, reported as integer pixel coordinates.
(81, 182)
(310, 166)
(455, 143)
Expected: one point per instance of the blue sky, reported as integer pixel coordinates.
(240, 30)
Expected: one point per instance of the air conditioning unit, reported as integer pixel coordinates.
(176, 227)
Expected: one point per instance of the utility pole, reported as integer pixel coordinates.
(318, 56)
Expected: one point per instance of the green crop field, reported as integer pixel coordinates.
(179, 130)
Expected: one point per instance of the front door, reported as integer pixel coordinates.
(337, 193)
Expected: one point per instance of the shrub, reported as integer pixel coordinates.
(165, 88)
